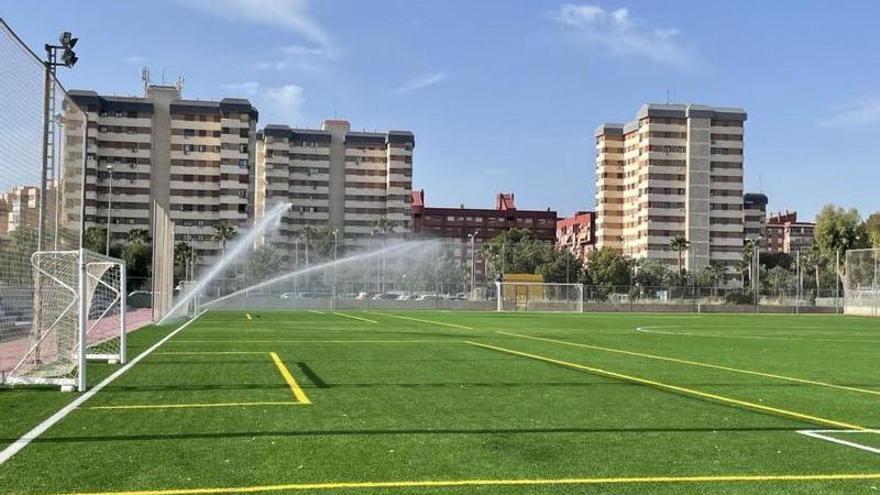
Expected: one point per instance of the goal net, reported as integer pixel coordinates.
(539, 296)
(78, 314)
(861, 282)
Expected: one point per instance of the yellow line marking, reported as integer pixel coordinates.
(248, 316)
(683, 390)
(453, 325)
(355, 317)
(301, 396)
(187, 406)
(317, 312)
(697, 363)
(501, 482)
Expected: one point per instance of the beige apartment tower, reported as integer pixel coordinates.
(336, 177)
(674, 170)
(192, 158)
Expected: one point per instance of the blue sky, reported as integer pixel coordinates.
(504, 95)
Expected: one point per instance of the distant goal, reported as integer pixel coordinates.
(539, 296)
(861, 287)
(79, 303)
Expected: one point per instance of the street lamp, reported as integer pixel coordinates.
(473, 239)
(109, 207)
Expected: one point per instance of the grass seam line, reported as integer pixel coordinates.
(682, 390)
(192, 406)
(301, 396)
(698, 363)
(355, 317)
(41, 428)
(453, 325)
(734, 478)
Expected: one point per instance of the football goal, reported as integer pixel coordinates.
(539, 296)
(78, 314)
(861, 282)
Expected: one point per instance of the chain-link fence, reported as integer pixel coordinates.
(42, 153)
(862, 282)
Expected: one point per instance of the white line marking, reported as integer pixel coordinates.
(41, 428)
(748, 337)
(315, 311)
(820, 435)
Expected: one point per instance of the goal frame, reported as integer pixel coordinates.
(90, 270)
(534, 294)
(861, 280)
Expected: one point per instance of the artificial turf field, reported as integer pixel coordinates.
(449, 402)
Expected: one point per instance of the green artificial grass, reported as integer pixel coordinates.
(667, 404)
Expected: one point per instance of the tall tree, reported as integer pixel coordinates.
(839, 230)
(609, 269)
(680, 244)
(872, 226)
(184, 257)
(95, 239)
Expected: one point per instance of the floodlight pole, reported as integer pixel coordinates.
(837, 284)
(473, 239)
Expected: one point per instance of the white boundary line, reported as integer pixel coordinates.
(41, 428)
(820, 435)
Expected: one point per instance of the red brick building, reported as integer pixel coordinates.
(577, 234)
(459, 223)
(785, 234)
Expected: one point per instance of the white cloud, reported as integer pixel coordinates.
(286, 101)
(291, 15)
(863, 111)
(422, 82)
(303, 51)
(618, 32)
(249, 88)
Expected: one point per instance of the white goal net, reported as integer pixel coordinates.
(539, 296)
(861, 282)
(78, 314)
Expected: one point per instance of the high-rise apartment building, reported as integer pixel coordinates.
(674, 170)
(755, 218)
(192, 158)
(336, 177)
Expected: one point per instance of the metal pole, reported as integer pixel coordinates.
(473, 265)
(49, 66)
(109, 207)
(82, 322)
(123, 307)
(757, 277)
(797, 306)
(837, 284)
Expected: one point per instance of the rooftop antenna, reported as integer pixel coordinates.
(760, 183)
(179, 85)
(674, 99)
(145, 77)
(668, 101)
(163, 77)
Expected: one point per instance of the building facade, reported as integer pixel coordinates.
(785, 234)
(676, 170)
(755, 218)
(192, 158)
(577, 234)
(338, 178)
(457, 225)
(19, 206)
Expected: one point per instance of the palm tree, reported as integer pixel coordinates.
(184, 256)
(679, 243)
(745, 263)
(223, 232)
(384, 225)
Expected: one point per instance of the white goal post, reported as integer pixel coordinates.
(79, 304)
(861, 282)
(539, 296)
